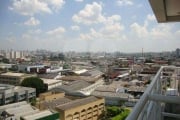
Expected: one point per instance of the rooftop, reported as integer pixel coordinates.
(38, 115)
(13, 74)
(50, 81)
(48, 76)
(114, 95)
(23, 109)
(73, 86)
(20, 88)
(15, 89)
(12, 105)
(19, 109)
(52, 104)
(77, 103)
(74, 78)
(80, 71)
(93, 73)
(5, 86)
(137, 88)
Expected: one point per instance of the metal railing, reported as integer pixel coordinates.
(152, 102)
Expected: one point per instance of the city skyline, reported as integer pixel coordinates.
(84, 25)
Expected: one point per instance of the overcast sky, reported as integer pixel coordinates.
(84, 25)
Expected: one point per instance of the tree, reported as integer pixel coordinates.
(33, 101)
(66, 66)
(115, 113)
(34, 82)
(122, 115)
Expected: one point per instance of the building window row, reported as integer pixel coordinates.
(87, 114)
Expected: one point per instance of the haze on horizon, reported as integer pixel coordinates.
(84, 25)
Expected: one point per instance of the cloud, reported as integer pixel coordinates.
(32, 22)
(143, 31)
(75, 28)
(161, 31)
(55, 4)
(157, 37)
(113, 18)
(93, 34)
(151, 17)
(30, 7)
(140, 31)
(57, 31)
(124, 2)
(111, 29)
(92, 13)
(157, 32)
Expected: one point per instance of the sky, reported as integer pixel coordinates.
(85, 25)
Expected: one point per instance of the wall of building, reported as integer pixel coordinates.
(84, 112)
(50, 96)
(11, 96)
(12, 80)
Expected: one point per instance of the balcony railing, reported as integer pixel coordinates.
(163, 91)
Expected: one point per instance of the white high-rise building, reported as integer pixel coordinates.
(17, 54)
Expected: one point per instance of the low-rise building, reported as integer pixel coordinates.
(48, 96)
(43, 115)
(89, 108)
(13, 78)
(31, 68)
(50, 100)
(11, 94)
(4, 65)
(51, 83)
(24, 111)
(114, 94)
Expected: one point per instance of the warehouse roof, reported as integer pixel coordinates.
(73, 86)
(38, 115)
(114, 95)
(13, 74)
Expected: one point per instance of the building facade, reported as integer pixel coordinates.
(12, 94)
(13, 78)
(89, 108)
